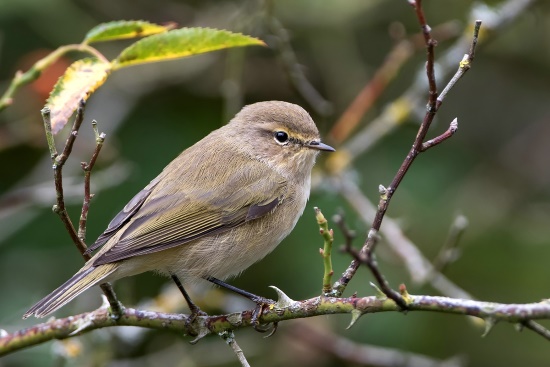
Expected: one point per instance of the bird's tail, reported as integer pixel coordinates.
(81, 281)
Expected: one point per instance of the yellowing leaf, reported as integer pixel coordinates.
(181, 43)
(124, 29)
(80, 80)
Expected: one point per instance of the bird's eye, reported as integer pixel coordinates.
(281, 137)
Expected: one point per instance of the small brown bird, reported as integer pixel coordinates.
(220, 206)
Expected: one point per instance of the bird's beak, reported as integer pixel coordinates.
(321, 146)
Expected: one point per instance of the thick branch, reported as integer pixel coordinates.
(101, 318)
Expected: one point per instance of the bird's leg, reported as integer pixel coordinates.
(195, 310)
(260, 302)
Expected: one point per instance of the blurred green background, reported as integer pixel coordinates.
(495, 171)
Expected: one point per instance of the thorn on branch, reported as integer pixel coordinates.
(490, 322)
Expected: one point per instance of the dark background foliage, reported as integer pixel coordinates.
(494, 171)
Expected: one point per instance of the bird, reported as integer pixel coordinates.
(223, 204)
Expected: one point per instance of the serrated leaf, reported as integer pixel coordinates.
(180, 43)
(80, 80)
(123, 29)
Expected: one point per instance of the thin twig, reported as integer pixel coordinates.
(59, 207)
(349, 235)
(537, 328)
(453, 127)
(87, 167)
(464, 65)
(358, 354)
(401, 108)
(369, 260)
(293, 69)
(430, 72)
(370, 93)
(448, 251)
(229, 338)
(419, 268)
(394, 61)
(386, 194)
(58, 162)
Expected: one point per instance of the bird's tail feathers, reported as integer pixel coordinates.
(80, 282)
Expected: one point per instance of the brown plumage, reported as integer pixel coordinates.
(221, 205)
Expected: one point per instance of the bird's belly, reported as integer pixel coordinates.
(223, 255)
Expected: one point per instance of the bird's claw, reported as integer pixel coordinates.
(262, 303)
(196, 312)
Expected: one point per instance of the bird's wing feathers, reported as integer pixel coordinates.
(174, 217)
(123, 216)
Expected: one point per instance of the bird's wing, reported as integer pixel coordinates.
(124, 216)
(170, 216)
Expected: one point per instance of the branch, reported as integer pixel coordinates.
(449, 251)
(293, 69)
(229, 338)
(351, 353)
(87, 167)
(205, 325)
(58, 163)
(401, 108)
(394, 61)
(419, 268)
(464, 65)
(59, 207)
(386, 194)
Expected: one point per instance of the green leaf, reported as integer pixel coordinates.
(181, 43)
(124, 29)
(80, 80)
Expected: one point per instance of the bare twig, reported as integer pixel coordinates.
(386, 194)
(295, 73)
(419, 268)
(231, 88)
(464, 65)
(401, 108)
(370, 93)
(361, 354)
(87, 167)
(349, 235)
(537, 328)
(448, 251)
(229, 338)
(430, 72)
(396, 58)
(453, 127)
(59, 207)
(58, 161)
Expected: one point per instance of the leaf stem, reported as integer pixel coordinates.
(23, 78)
